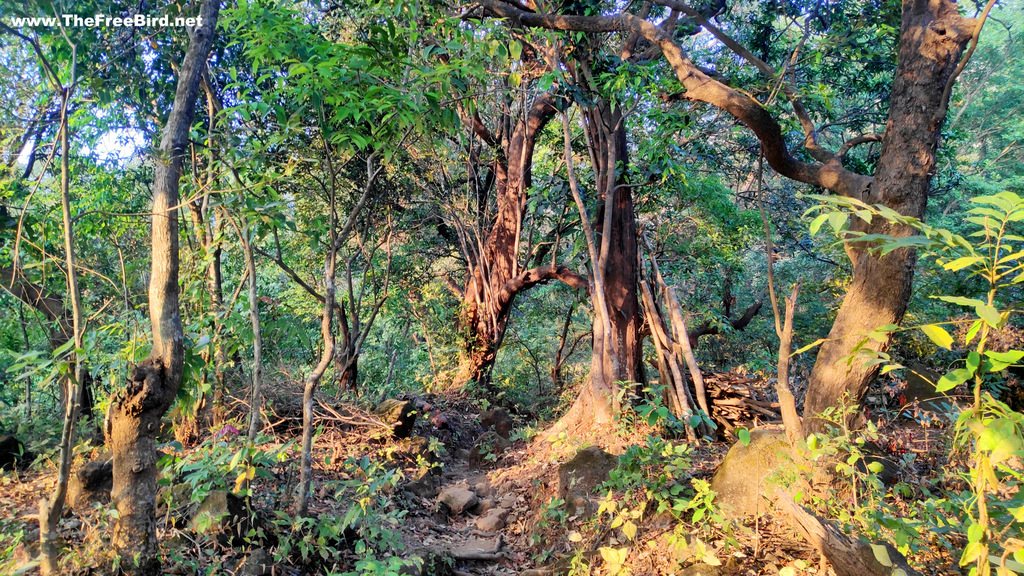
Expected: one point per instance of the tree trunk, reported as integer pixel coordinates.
(153, 385)
(496, 263)
(617, 346)
(50, 509)
(256, 391)
(346, 361)
(933, 36)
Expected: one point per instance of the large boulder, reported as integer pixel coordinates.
(399, 414)
(91, 483)
(12, 453)
(578, 477)
(740, 481)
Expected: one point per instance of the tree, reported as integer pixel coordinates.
(153, 384)
(932, 37)
(491, 242)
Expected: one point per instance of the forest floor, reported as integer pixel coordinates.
(455, 493)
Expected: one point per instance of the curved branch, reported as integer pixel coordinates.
(740, 323)
(52, 307)
(530, 278)
(851, 143)
(702, 88)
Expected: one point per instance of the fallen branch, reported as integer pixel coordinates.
(848, 555)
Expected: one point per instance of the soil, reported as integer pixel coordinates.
(517, 526)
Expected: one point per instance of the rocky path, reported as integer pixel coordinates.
(465, 517)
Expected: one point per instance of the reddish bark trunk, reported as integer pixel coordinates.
(484, 317)
(615, 357)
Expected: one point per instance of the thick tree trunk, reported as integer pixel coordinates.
(617, 345)
(932, 38)
(496, 263)
(137, 409)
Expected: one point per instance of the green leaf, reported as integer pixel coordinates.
(961, 300)
(961, 263)
(1001, 360)
(973, 331)
(817, 222)
(938, 335)
(1001, 439)
(744, 435)
(953, 379)
(881, 554)
(975, 532)
(989, 314)
(837, 220)
(808, 347)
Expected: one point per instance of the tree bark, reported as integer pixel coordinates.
(50, 509)
(617, 345)
(932, 38)
(153, 385)
(497, 261)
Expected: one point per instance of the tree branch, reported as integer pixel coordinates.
(702, 88)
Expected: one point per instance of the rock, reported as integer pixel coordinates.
(581, 507)
(91, 483)
(399, 414)
(740, 481)
(488, 448)
(455, 500)
(12, 453)
(493, 520)
(222, 514)
(578, 477)
(424, 484)
(482, 489)
(477, 549)
(484, 506)
(921, 388)
(258, 563)
(508, 500)
(490, 523)
(497, 420)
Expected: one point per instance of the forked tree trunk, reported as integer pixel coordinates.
(137, 409)
(495, 262)
(932, 38)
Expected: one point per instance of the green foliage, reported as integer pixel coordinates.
(989, 431)
(226, 464)
(369, 527)
(654, 472)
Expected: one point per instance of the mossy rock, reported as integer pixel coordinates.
(579, 477)
(399, 414)
(741, 481)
